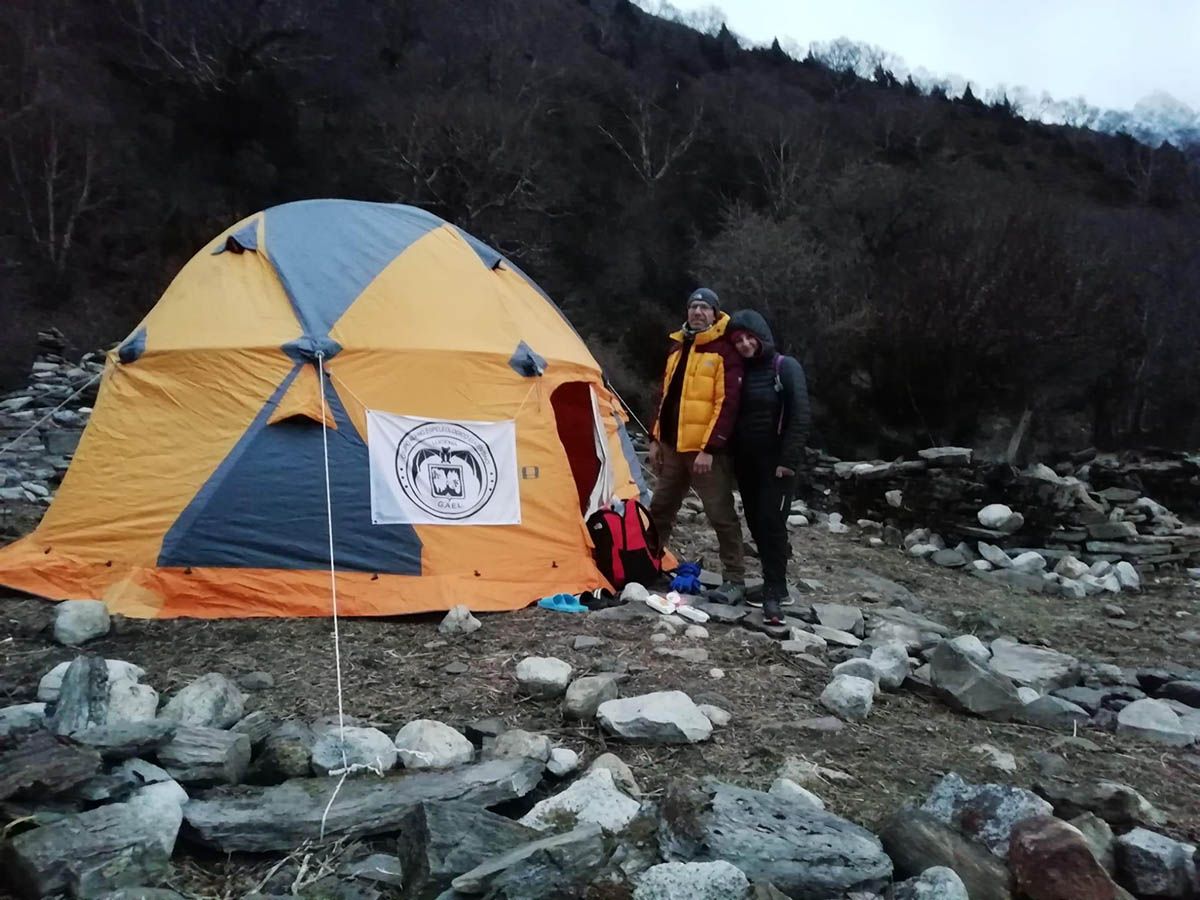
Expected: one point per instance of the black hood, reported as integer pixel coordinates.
(749, 320)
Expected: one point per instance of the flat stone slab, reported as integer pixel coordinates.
(1035, 667)
(42, 763)
(284, 816)
(722, 612)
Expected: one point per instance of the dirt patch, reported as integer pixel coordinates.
(393, 672)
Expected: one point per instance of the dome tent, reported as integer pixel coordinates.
(466, 428)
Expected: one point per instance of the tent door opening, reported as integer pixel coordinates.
(581, 431)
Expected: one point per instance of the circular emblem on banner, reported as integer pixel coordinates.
(446, 469)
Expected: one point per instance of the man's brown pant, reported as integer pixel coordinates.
(716, 493)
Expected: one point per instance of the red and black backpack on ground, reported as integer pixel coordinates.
(626, 545)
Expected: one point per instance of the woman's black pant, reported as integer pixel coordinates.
(767, 502)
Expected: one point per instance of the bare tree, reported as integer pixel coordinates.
(649, 140)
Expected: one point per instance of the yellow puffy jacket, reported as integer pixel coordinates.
(701, 407)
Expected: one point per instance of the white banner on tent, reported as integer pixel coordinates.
(438, 472)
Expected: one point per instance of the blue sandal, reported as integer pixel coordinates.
(566, 603)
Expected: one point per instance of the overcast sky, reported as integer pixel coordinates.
(1111, 52)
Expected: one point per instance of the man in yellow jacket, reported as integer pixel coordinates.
(692, 426)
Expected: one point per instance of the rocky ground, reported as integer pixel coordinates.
(399, 670)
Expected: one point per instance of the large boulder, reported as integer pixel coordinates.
(593, 799)
(1051, 860)
(986, 813)
(1035, 667)
(22, 718)
(890, 659)
(440, 841)
(1156, 722)
(664, 717)
(807, 853)
(966, 684)
(79, 621)
(429, 744)
(916, 842)
(1154, 865)
(286, 753)
(211, 701)
(89, 854)
(83, 698)
(692, 881)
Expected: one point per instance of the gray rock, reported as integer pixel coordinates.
(440, 841)
(973, 647)
(1035, 667)
(688, 654)
(256, 681)
(594, 799)
(622, 774)
(986, 812)
(563, 761)
(126, 741)
(936, 883)
(257, 726)
(114, 846)
(906, 617)
(692, 881)
(282, 817)
(967, 685)
(211, 701)
(117, 670)
(841, 617)
(785, 787)
(1128, 576)
(206, 756)
(720, 612)
(286, 752)
(130, 702)
(22, 718)
(335, 749)
(585, 695)
(665, 717)
(1154, 721)
(1099, 837)
(429, 744)
(719, 717)
(558, 866)
(916, 842)
(890, 658)
(543, 676)
(800, 641)
(948, 559)
(835, 636)
(849, 697)
(459, 621)
(1154, 865)
(1091, 699)
(946, 456)
(79, 621)
(1052, 712)
(806, 853)
(519, 744)
(379, 868)
(890, 591)
(993, 554)
(587, 642)
(83, 698)
(1187, 692)
(859, 668)
(37, 762)
(1118, 804)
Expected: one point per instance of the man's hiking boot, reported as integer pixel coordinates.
(731, 592)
